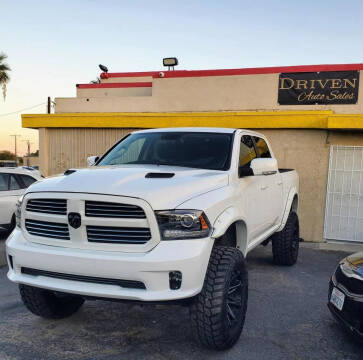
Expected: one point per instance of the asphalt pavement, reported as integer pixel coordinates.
(287, 318)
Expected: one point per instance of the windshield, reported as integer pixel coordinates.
(188, 149)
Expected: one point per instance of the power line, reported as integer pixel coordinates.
(18, 111)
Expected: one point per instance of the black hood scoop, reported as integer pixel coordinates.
(159, 175)
(69, 171)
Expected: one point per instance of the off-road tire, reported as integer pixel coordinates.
(285, 243)
(211, 319)
(49, 304)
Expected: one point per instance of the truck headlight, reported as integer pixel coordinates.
(182, 224)
(347, 268)
(18, 211)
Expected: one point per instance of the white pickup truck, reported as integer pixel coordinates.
(166, 215)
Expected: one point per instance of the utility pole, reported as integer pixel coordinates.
(28, 143)
(49, 104)
(16, 154)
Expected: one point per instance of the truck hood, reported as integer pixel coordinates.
(131, 181)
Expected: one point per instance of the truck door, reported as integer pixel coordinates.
(252, 191)
(271, 186)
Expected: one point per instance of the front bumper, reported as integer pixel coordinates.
(351, 316)
(190, 257)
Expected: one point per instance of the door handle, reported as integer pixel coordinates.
(279, 183)
(264, 187)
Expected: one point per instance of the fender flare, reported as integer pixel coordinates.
(227, 218)
(289, 202)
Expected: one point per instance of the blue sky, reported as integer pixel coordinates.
(52, 45)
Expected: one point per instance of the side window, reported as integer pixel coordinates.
(14, 185)
(27, 180)
(262, 147)
(247, 151)
(4, 182)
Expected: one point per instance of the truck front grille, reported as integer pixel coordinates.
(118, 235)
(112, 223)
(113, 210)
(131, 284)
(47, 229)
(47, 206)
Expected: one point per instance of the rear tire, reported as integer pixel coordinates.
(285, 243)
(218, 312)
(49, 304)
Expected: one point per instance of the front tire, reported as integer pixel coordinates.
(49, 304)
(285, 243)
(218, 312)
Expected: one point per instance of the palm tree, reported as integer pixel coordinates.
(4, 75)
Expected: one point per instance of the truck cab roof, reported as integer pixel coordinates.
(200, 129)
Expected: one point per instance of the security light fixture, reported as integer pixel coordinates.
(170, 62)
(103, 68)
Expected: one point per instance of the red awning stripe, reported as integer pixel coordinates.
(228, 72)
(114, 85)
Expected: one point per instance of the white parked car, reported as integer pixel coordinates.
(164, 215)
(13, 182)
(33, 169)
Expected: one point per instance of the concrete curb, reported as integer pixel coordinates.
(334, 246)
(348, 247)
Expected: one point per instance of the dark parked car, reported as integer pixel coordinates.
(346, 293)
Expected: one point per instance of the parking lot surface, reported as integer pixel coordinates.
(287, 318)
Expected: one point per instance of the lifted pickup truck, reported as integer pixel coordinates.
(166, 215)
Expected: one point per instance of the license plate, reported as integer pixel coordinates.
(337, 298)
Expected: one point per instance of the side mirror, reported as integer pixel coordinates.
(92, 160)
(264, 166)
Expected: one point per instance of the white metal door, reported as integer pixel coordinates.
(344, 198)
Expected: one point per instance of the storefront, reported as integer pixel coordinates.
(313, 116)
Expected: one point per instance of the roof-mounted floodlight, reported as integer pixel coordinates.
(103, 68)
(170, 62)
